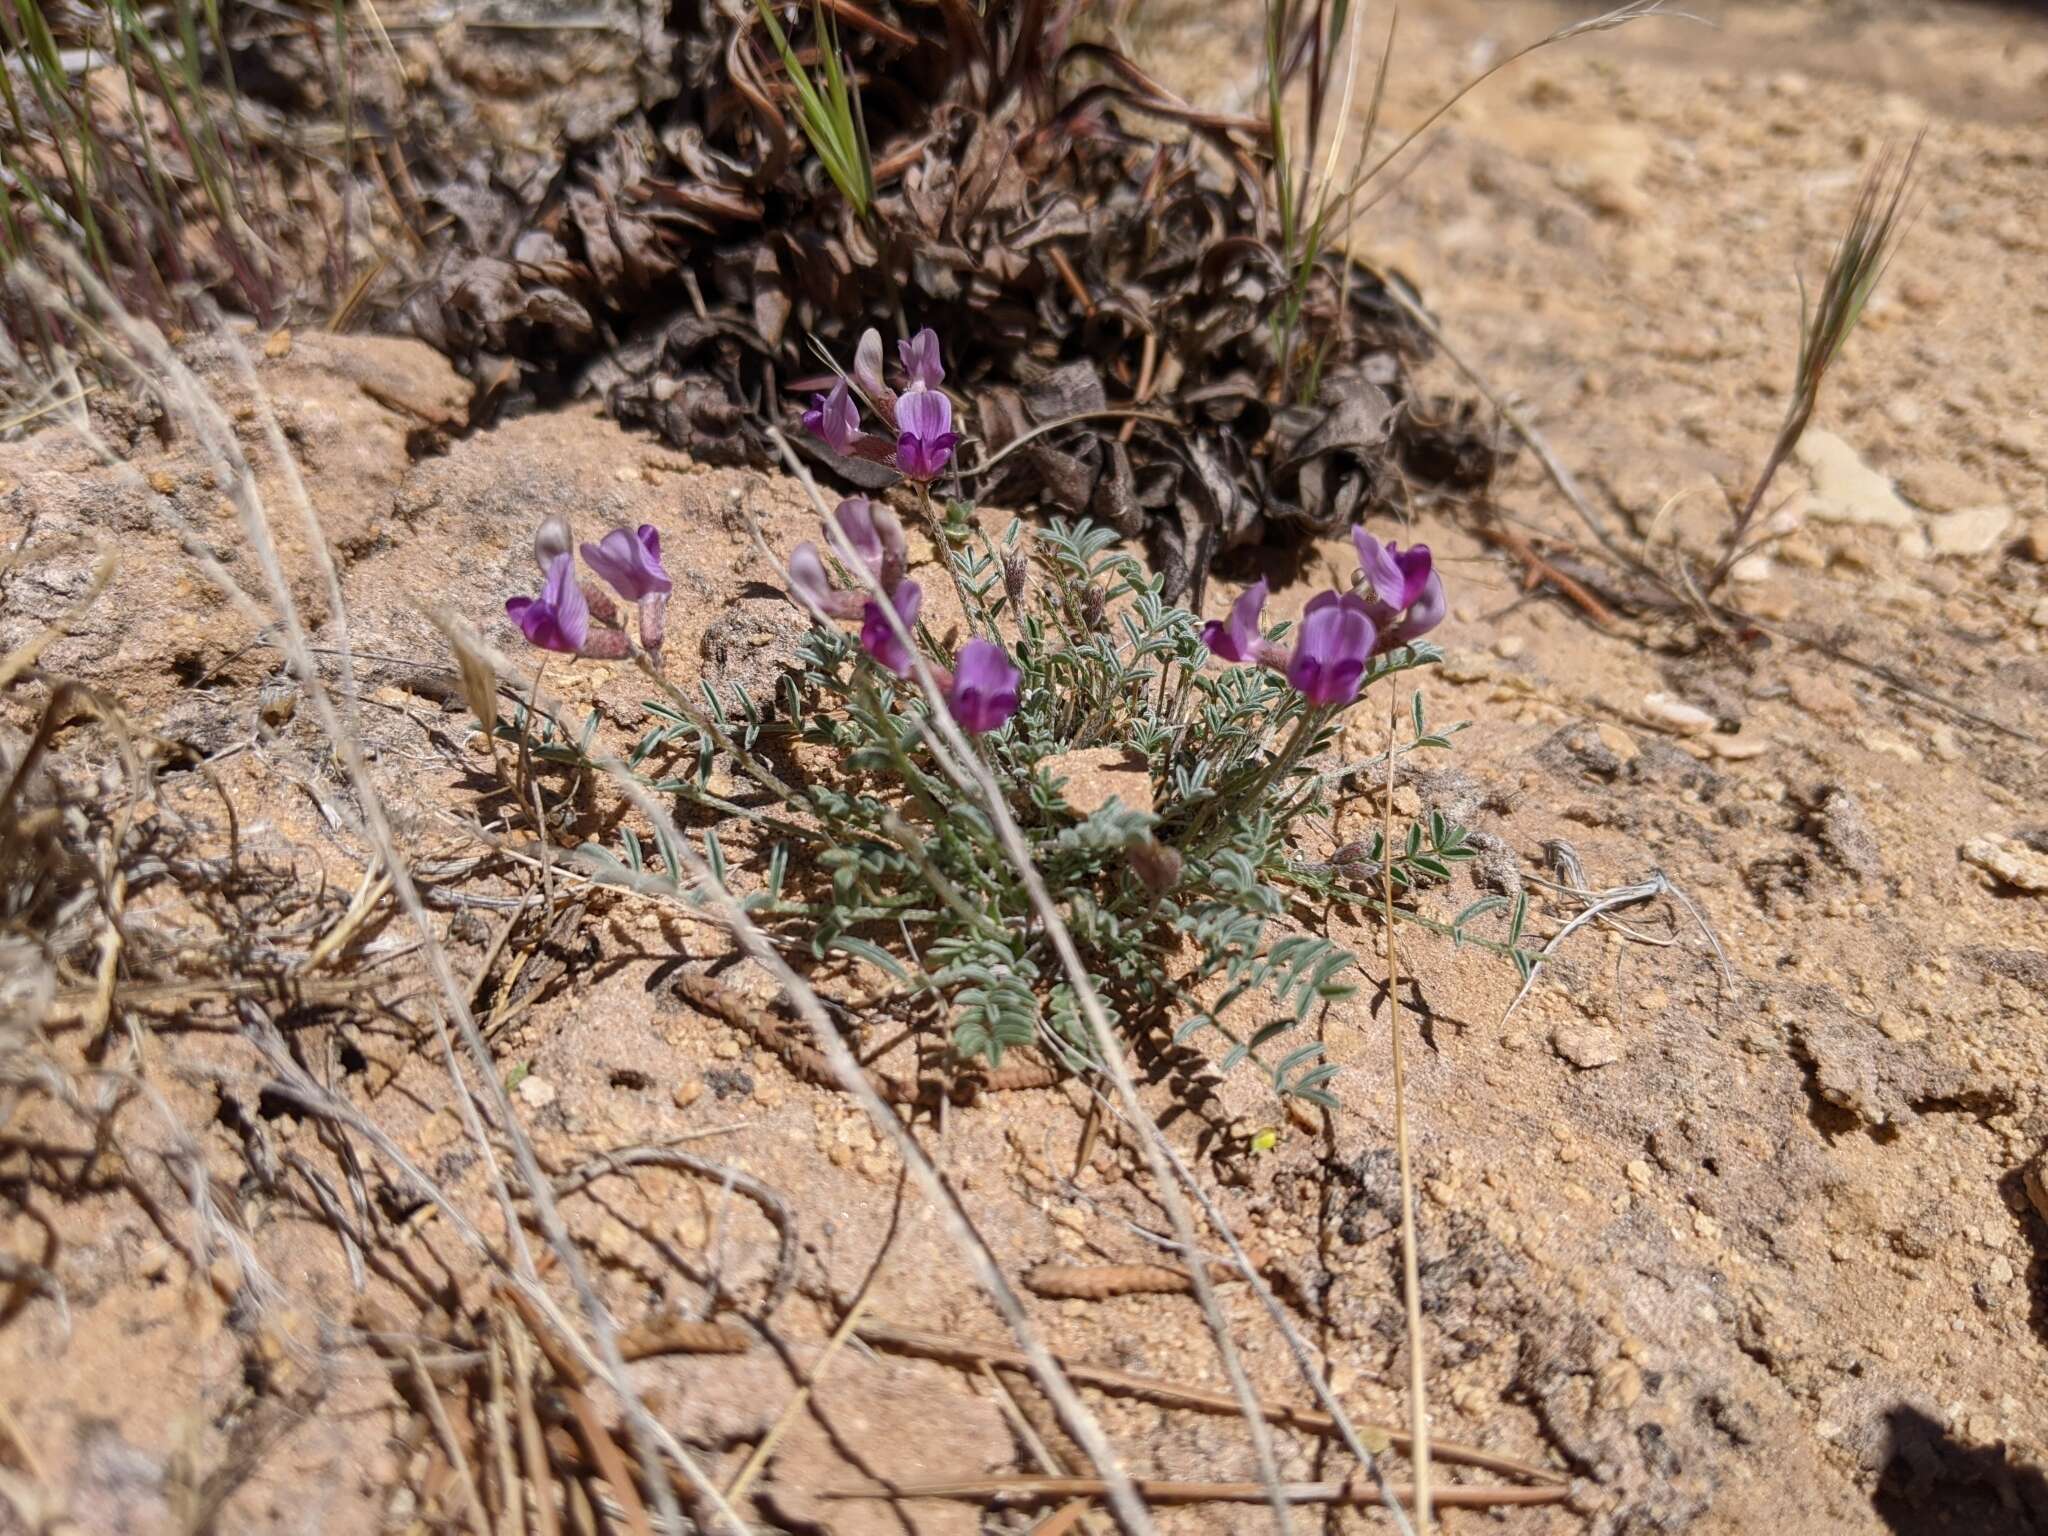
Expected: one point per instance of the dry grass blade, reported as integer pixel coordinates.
(744, 1478)
(1859, 261)
(1411, 1280)
(159, 371)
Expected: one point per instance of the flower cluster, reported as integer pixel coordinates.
(561, 618)
(1397, 596)
(921, 414)
(981, 687)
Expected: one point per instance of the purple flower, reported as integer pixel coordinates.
(1424, 614)
(559, 619)
(920, 357)
(1401, 581)
(1396, 575)
(985, 682)
(1331, 652)
(814, 589)
(630, 561)
(1239, 637)
(880, 640)
(925, 418)
(876, 539)
(834, 418)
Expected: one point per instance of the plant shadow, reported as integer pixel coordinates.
(1933, 1484)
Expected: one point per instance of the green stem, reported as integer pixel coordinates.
(759, 771)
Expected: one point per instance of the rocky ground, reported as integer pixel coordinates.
(1766, 1251)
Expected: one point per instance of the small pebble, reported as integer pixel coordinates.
(1686, 719)
(535, 1092)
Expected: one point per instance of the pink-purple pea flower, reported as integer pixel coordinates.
(878, 636)
(630, 560)
(925, 440)
(1406, 594)
(921, 416)
(874, 537)
(1241, 637)
(1332, 649)
(867, 365)
(921, 362)
(834, 418)
(985, 683)
(559, 619)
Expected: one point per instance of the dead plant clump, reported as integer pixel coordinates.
(1146, 304)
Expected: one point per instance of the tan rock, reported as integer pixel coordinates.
(1675, 714)
(1097, 775)
(1973, 531)
(1587, 1046)
(1818, 694)
(1619, 742)
(1847, 490)
(2009, 860)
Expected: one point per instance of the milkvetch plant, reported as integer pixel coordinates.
(1195, 895)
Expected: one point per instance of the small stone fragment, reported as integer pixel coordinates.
(1818, 694)
(2010, 861)
(1619, 742)
(1686, 719)
(1972, 531)
(1847, 490)
(1844, 832)
(535, 1092)
(1094, 776)
(1736, 749)
(2036, 1181)
(1587, 1046)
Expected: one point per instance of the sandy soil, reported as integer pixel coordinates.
(1761, 1256)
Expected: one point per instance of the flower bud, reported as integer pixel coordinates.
(1157, 866)
(1016, 575)
(551, 541)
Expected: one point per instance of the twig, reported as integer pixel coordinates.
(444, 1431)
(590, 1427)
(1172, 1394)
(1541, 570)
(1015, 1489)
(1100, 1282)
